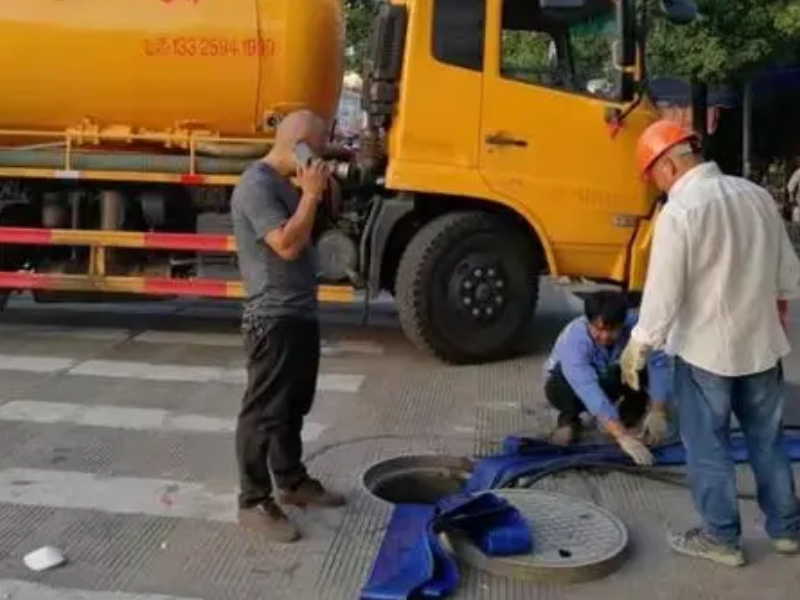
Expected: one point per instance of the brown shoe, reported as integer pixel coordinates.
(311, 493)
(270, 521)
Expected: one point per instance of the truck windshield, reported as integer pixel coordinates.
(566, 49)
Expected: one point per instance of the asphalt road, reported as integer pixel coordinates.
(116, 446)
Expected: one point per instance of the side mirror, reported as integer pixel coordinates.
(626, 25)
(625, 50)
(680, 12)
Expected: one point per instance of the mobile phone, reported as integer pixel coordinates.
(303, 154)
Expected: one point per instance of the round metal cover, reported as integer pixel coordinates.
(573, 540)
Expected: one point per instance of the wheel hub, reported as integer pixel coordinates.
(481, 290)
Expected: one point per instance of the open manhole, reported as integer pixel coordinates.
(574, 540)
(423, 479)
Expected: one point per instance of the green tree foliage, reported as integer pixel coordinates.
(359, 15)
(730, 40)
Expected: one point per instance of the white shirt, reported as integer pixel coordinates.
(721, 259)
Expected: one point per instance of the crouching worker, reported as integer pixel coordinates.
(583, 375)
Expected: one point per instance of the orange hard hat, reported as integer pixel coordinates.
(657, 140)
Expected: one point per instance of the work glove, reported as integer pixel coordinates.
(633, 360)
(636, 449)
(655, 425)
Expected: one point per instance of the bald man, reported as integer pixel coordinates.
(273, 223)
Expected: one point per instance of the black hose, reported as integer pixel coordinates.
(653, 474)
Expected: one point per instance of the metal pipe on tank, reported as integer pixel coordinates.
(75, 207)
(112, 207)
(127, 161)
(111, 210)
(232, 150)
(54, 215)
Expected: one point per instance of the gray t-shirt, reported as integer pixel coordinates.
(263, 201)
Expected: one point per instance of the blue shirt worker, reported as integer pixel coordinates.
(583, 374)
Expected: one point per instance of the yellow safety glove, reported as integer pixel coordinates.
(633, 360)
(655, 424)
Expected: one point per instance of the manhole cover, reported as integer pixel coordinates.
(574, 540)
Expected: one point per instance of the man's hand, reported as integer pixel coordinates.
(655, 425)
(313, 179)
(636, 450)
(633, 360)
(629, 444)
(783, 313)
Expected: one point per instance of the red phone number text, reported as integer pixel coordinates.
(200, 46)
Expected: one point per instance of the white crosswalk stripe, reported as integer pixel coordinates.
(71, 331)
(120, 495)
(330, 347)
(34, 364)
(231, 340)
(12, 589)
(128, 418)
(326, 382)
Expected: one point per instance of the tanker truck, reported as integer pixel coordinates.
(497, 147)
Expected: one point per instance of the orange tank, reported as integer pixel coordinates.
(224, 66)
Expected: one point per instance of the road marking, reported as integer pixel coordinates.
(72, 331)
(234, 340)
(326, 382)
(35, 364)
(343, 347)
(331, 348)
(120, 495)
(148, 371)
(131, 418)
(13, 589)
(231, 340)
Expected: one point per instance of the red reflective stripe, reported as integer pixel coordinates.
(25, 235)
(28, 281)
(186, 241)
(185, 287)
(189, 179)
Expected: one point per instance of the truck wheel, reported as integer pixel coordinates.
(467, 286)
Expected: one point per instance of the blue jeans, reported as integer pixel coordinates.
(705, 403)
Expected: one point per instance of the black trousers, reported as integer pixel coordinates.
(282, 367)
(562, 397)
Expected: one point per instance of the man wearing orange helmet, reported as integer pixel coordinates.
(721, 258)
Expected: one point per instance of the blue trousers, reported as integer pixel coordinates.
(705, 404)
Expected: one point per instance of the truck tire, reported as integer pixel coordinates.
(467, 286)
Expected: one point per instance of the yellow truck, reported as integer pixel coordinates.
(497, 147)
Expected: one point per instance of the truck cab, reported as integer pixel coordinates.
(509, 129)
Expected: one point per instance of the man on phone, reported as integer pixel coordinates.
(273, 224)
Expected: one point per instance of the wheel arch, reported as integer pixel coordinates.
(391, 234)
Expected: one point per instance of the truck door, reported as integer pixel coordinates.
(546, 145)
